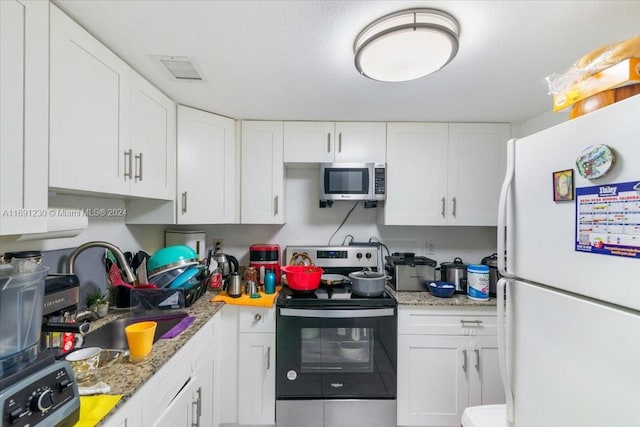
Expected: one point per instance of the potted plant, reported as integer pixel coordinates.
(98, 302)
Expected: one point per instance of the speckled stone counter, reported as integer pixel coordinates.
(425, 298)
(126, 378)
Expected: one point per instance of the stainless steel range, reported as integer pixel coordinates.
(336, 351)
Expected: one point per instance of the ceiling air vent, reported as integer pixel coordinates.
(180, 67)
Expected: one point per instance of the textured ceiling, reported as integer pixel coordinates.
(294, 59)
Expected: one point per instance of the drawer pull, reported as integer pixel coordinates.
(477, 360)
(475, 322)
(257, 317)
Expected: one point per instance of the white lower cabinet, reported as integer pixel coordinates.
(249, 366)
(184, 392)
(447, 361)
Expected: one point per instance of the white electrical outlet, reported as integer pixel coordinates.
(217, 245)
(429, 247)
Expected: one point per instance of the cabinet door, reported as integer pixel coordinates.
(309, 142)
(485, 385)
(206, 168)
(432, 380)
(127, 415)
(416, 174)
(256, 378)
(180, 412)
(153, 141)
(477, 163)
(262, 193)
(361, 142)
(24, 115)
(88, 107)
(203, 393)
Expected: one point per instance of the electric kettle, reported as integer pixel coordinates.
(227, 264)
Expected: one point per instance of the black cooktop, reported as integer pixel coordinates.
(332, 296)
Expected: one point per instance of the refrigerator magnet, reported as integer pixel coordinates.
(595, 161)
(563, 185)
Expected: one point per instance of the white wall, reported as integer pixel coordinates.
(540, 122)
(309, 224)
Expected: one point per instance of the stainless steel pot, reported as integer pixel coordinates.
(455, 272)
(367, 283)
(494, 274)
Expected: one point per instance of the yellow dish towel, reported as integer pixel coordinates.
(94, 408)
(265, 300)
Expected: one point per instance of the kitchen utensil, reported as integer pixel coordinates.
(84, 362)
(455, 272)
(227, 264)
(184, 278)
(440, 289)
(140, 339)
(367, 283)
(35, 256)
(163, 280)
(170, 258)
(409, 271)
(21, 305)
(494, 274)
(353, 350)
(234, 286)
(332, 279)
(141, 272)
(302, 277)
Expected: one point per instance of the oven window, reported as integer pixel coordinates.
(347, 181)
(347, 350)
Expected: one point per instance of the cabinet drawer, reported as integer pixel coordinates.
(257, 319)
(428, 321)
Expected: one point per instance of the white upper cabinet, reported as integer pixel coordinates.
(206, 168)
(454, 172)
(416, 173)
(24, 110)
(317, 142)
(262, 191)
(477, 164)
(88, 112)
(111, 131)
(153, 141)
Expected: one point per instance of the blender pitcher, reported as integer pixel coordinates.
(21, 305)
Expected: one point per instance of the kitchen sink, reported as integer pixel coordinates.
(112, 336)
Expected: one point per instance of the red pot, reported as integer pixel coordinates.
(303, 277)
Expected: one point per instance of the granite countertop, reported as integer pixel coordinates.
(126, 378)
(425, 298)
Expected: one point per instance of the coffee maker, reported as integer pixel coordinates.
(59, 327)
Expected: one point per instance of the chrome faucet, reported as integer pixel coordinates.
(130, 277)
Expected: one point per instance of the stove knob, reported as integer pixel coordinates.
(42, 401)
(368, 255)
(359, 255)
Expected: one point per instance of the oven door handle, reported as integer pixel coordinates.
(337, 314)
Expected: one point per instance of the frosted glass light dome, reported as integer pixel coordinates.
(406, 45)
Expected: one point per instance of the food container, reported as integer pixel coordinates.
(478, 282)
(367, 283)
(303, 277)
(440, 289)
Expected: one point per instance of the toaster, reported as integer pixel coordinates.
(408, 271)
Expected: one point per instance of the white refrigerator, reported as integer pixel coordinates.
(569, 325)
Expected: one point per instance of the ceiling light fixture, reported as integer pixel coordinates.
(406, 45)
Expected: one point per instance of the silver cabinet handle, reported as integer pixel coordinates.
(184, 202)
(454, 207)
(477, 360)
(475, 322)
(275, 206)
(268, 358)
(340, 142)
(127, 160)
(138, 175)
(329, 142)
(464, 364)
(257, 317)
(198, 409)
(443, 200)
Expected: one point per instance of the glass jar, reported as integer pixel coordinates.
(250, 274)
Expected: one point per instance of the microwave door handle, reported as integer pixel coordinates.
(337, 314)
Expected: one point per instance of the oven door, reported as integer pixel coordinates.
(331, 353)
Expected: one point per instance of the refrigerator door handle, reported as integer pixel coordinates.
(505, 235)
(502, 321)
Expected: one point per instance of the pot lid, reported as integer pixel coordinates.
(457, 263)
(491, 260)
(366, 274)
(412, 261)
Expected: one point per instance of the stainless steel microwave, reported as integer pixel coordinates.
(352, 181)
